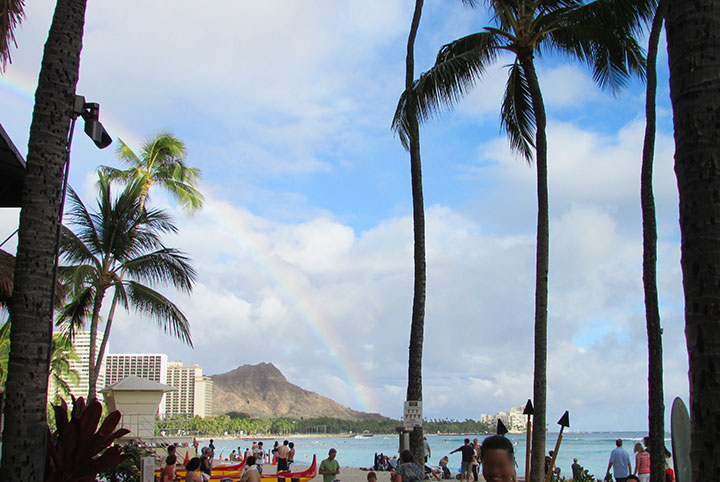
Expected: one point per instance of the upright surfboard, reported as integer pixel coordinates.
(680, 427)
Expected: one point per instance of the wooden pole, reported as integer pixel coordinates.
(548, 476)
(528, 447)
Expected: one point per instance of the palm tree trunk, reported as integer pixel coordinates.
(24, 434)
(106, 335)
(693, 38)
(656, 404)
(542, 257)
(92, 373)
(414, 389)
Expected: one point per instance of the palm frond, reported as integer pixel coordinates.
(73, 250)
(459, 65)
(185, 194)
(603, 35)
(517, 116)
(77, 310)
(167, 265)
(126, 154)
(115, 174)
(11, 14)
(162, 310)
(84, 222)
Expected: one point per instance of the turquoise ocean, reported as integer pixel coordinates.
(591, 449)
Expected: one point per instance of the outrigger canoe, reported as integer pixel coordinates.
(219, 472)
(234, 472)
(304, 476)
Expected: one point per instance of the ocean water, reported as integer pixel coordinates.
(591, 449)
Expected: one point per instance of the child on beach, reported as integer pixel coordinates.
(371, 476)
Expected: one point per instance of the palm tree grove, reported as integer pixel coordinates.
(228, 256)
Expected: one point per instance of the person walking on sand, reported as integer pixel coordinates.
(642, 463)
(620, 463)
(428, 454)
(330, 468)
(407, 470)
(467, 458)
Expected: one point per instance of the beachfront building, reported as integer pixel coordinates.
(517, 420)
(193, 395)
(148, 366)
(81, 344)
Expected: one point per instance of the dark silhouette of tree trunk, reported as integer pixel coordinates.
(414, 390)
(542, 257)
(693, 37)
(656, 403)
(24, 434)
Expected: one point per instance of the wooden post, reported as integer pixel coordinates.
(563, 422)
(529, 411)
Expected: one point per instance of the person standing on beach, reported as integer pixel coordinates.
(467, 459)
(576, 469)
(476, 460)
(212, 445)
(642, 463)
(427, 449)
(498, 459)
(291, 454)
(329, 468)
(620, 463)
(259, 454)
(282, 456)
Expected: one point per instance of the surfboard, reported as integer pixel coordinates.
(680, 429)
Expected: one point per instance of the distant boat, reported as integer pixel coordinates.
(365, 434)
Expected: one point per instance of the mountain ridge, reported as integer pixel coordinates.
(262, 391)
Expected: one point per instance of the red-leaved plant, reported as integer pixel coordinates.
(77, 452)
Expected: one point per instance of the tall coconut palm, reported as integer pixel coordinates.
(656, 404)
(693, 39)
(117, 249)
(598, 33)
(414, 388)
(11, 14)
(161, 161)
(31, 309)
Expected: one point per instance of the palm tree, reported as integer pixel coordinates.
(693, 43)
(118, 249)
(656, 404)
(62, 374)
(414, 388)
(161, 161)
(598, 33)
(30, 308)
(11, 15)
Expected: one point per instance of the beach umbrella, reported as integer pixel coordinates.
(529, 411)
(563, 422)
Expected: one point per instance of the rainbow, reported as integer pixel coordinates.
(277, 272)
(22, 86)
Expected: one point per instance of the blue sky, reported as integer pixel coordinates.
(304, 249)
